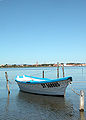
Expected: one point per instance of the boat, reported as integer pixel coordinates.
(43, 86)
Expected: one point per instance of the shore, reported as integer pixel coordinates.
(41, 65)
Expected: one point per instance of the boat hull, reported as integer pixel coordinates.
(52, 88)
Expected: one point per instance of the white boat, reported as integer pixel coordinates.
(43, 86)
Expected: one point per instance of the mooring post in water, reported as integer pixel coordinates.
(63, 69)
(81, 101)
(43, 73)
(57, 69)
(7, 82)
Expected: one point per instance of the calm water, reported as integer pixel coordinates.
(25, 106)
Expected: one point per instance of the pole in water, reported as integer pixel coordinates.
(7, 82)
(81, 101)
(63, 69)
(57, 69)
(43, 73)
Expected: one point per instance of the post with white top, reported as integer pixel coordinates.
(57, 69)
(7, 82)
(81, 101)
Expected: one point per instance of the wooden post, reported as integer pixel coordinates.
(57, 69)
(81, 101)
(63, 69)
(7, 82)
(43, 73)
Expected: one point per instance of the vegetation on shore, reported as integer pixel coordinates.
(41, 65)
(25, 65)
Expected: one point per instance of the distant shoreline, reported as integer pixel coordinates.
(42, 65)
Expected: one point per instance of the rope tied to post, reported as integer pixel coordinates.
(12, 82)
(74, 91)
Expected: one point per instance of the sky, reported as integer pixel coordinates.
(47, 31)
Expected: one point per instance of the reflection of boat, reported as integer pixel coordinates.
(43, 86)
(44, 102)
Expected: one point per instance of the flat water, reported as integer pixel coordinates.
(24, 106)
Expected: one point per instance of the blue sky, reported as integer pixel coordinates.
(46, 31)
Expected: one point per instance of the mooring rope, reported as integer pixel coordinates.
(11, 82)
(40, 72)
(74, 90)
(35, 74)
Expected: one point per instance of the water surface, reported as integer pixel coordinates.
(24, 106)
